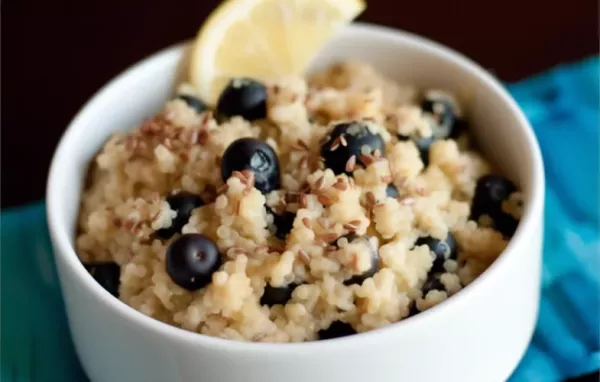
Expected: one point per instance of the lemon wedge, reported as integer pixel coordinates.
(263, 39)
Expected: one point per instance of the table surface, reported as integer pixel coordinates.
(56, 54)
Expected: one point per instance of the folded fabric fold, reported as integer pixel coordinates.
(563, 106)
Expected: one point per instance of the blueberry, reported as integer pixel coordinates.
(391, 191)
(107, 274)
(433, 282)
(359, 279)
(183, 203)
(413, 310)
(443, 115)
(423, 144)
(243, 97)
(191, 260)
(283, 223)
(346, 140)
(490, 192)
(193, 102)
(506, 224)
(337, 329)
(460, 126)
(442, 249)
(277, 295)
(254, 155)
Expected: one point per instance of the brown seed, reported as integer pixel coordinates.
(341, 186)
(280, 207)
(343, 141)
(367, 159)
(292, 197)
(259, 337)
(250, 177)
(145, 128)
(273, 248)
(319, 183)
(203, 137)
(117, 222)
(302, 200)
(128, 225)
(325, 200)
(371, 198)
(386, 179)
(351, 163)
(354, 262)
(306, 222)
(218, 161)
(276, 89)
(327, 238)
(302, 144)
(303, 257)
(331, 248)
(335, 144)
(207, 117)
(136, 226)
(247, 173)
(350, 227)
(184, 156)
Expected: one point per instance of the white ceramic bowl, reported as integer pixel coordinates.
(478, 335)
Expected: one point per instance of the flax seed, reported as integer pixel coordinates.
(341, 186)
(325, 200)
(302, 144)
(302, 200)
(343, 141)
(351, 164)
(367, 160)
(303, 257)
(306, 222)
(371, 198)
(319, 183)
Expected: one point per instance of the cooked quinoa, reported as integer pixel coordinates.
(361, 248)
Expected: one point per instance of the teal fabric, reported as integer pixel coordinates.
(563, 106)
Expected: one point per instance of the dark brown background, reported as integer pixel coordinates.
(55, 54)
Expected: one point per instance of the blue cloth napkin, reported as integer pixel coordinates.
(564, 107)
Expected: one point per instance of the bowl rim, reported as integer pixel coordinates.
(62, 240)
